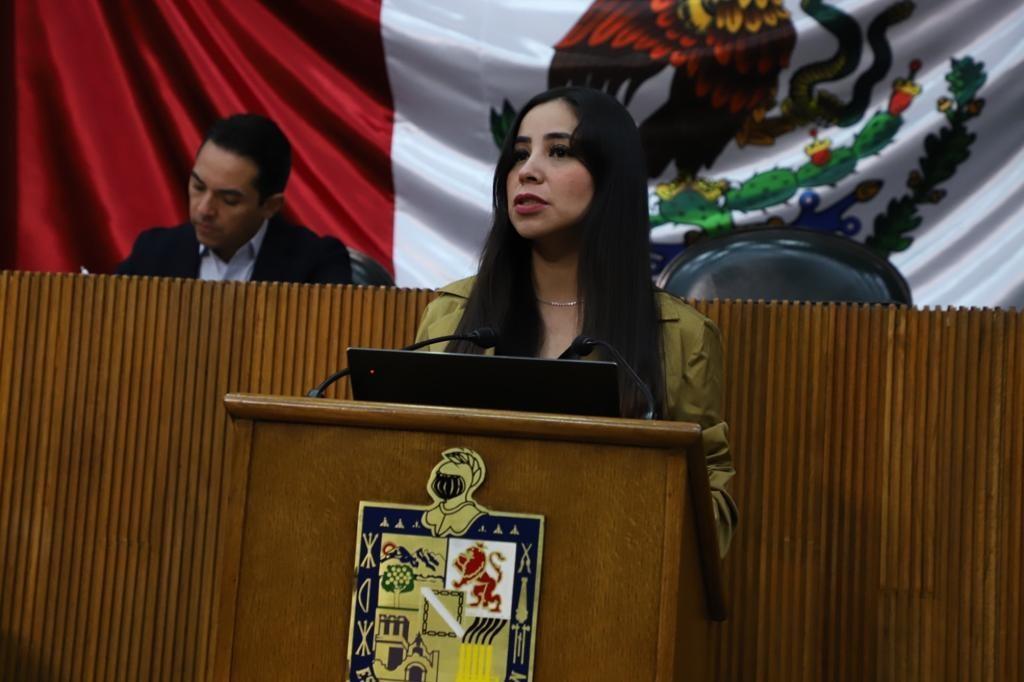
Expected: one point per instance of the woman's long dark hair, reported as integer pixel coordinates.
(615, 287)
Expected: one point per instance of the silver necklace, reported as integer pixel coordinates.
(558, 304)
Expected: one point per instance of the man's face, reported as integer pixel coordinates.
(223, 202)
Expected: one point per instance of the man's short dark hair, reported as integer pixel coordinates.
(258, 139)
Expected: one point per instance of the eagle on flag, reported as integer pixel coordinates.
(727, 56)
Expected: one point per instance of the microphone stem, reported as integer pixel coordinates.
(430, 342)
(644, 388)
(319, 391)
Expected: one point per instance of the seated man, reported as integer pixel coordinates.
(234, 194)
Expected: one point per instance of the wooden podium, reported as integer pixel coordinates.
(630, 577)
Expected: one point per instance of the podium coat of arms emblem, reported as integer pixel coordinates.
(446, 592)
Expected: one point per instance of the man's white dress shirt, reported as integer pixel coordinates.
(239, 268)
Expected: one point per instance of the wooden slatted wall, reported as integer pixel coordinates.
(112, 453)
(881, 476)
(880, 455)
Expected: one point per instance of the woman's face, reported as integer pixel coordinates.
(548, 189)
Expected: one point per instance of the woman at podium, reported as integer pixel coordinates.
(568, 254)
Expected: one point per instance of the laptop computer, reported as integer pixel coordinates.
(497, 382)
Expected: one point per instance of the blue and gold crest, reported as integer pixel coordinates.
(448, 592)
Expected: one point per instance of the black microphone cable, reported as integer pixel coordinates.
(484, 337)
(582, 345)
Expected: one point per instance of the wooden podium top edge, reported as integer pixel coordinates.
(632, 432)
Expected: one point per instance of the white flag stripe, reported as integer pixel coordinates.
(448, 65)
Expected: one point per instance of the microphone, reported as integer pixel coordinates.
(484, 337)
(582, 345)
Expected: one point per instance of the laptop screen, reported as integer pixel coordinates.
(580, 387)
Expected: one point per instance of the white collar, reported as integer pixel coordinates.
(252, 246)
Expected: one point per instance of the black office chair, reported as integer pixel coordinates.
(367, 271)
(786, 264)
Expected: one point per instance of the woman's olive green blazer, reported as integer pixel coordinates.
(692, 346)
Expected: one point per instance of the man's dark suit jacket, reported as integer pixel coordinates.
(288, 254)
